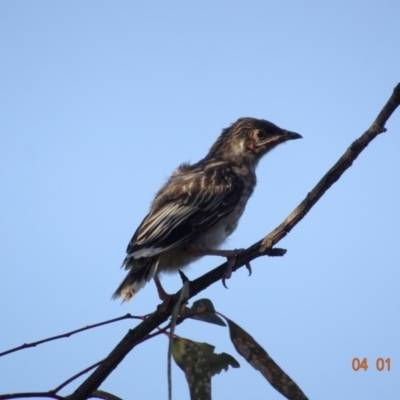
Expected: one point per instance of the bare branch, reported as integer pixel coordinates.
(263, 247)
(87, 369)
(68, 334)
(76, 376)
(35, 395)
(334, 173)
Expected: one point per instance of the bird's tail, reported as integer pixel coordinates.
(140, 272)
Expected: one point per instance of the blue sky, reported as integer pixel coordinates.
(101, 100)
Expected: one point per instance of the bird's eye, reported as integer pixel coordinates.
(260, 134)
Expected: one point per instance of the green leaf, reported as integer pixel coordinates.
(190, 358)
(199, 362)
(259, 359)
(208, 316)
(217, 362)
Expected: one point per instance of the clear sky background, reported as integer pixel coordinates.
(101, 100)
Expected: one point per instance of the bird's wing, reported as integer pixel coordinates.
(186, 205)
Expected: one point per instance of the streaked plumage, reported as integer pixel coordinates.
(200, 205)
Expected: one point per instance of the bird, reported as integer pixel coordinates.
(200, 205)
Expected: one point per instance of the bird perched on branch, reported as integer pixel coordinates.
(200, 205)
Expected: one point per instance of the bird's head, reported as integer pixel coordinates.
(249, 139)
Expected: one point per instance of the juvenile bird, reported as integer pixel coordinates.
(200, 205)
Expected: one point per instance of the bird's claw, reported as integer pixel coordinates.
(229, 254)
(230, 265)
(228, 270)
(248, 266)
(227, 275)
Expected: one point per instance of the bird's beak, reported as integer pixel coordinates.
(280, 137)
(287, 135)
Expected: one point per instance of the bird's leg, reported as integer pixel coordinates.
(229, 254)
(162, 294)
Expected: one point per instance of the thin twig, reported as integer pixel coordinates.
(36, 395)
(68, 334)
(87, 369)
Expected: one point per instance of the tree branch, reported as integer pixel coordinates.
(34, 395)
(68, 334)
(263, 247)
